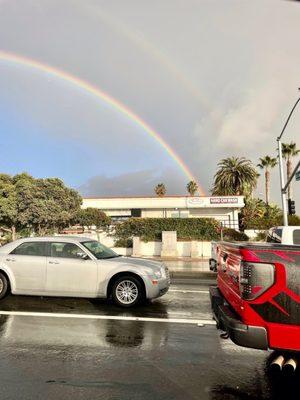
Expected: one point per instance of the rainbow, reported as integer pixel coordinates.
(93, 90)
(138, 39)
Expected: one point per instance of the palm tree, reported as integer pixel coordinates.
(160, 190)
(267, 163)
(192, 188)
(289, 150)
(236, 176)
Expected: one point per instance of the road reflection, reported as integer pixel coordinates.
(172, 305)
(76, 332)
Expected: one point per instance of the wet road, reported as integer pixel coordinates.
(56, 348)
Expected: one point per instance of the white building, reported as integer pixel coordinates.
(222, 208)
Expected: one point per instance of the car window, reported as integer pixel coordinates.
(270, 236)
(30, 249)
(296, 236)
(65, 250)
(274, 236)
(99, 250)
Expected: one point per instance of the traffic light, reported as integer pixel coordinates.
(291, 207)
(241, 222)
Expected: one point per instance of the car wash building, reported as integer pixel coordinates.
(223, 208)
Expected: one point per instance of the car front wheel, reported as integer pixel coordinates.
(127, 291)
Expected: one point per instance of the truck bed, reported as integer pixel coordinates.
(260, 246)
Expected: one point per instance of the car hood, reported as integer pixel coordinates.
(135, 262)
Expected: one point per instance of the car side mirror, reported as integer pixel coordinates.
(82, 255)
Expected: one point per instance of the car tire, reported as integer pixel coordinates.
(127, 291)
(3, 286)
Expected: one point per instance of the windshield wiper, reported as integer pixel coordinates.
(105, 258)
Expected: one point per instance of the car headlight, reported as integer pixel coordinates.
(164, 271)
(157, 274)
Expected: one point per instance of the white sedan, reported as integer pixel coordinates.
(78, 267)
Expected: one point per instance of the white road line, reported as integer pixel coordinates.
(188, 291)
(199, 322)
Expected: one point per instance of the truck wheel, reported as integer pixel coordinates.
(3, 285)
(127, 291)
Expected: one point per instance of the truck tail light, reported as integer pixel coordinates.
(255, 279)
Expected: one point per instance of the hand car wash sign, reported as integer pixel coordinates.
(223, 200)
(215, 201)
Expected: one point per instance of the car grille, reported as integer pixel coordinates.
(168, 275)
(163, 291)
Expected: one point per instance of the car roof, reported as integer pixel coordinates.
(57, 238)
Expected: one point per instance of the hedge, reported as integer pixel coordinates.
(233, 235)
(150, 229)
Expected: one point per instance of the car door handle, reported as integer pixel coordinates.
(10, 259)
(53, 262)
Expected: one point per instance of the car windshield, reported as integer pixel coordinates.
(99, 250)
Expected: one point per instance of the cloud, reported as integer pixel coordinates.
(240, 56)
(133, 183)
(251, 123)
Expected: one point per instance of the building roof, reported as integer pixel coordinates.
(176, 196)
(152, 202)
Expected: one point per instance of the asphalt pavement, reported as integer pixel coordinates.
(65, 348)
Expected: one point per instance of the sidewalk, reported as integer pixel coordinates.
(180, 259)
(187, 268)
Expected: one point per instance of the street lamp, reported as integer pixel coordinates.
(283, 187)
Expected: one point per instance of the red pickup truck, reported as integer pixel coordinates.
(257, 297)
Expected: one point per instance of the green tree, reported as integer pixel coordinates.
(160, 190)
(90, 217)
(289, 150)
(56, 205)
(253, 210)
(258, 215)
(266, 163)
(42, 205)
(235, 176)
(192, 188)
(9, 220)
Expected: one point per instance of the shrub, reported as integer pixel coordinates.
(261, 236)
(257, 215)
(150, 229)
(233, 235)
(92, 217)
(124, 243)
(294, 220)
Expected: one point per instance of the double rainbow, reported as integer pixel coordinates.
(116, 104)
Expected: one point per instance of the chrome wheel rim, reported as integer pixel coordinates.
(1, 285)
(127, 292)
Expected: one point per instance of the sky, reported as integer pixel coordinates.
(212, 78)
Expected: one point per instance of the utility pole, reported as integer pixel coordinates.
(283, 187)
(283, 193)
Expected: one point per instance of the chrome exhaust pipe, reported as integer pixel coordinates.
(290, 366)
(277, 364)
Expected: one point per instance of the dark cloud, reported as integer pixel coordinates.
(133, 183)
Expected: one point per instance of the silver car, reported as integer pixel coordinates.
(78, 267)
